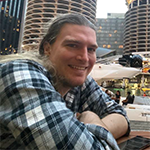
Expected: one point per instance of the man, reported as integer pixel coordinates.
(129, 99)
(50, 102)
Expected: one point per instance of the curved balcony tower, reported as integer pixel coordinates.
(137, 26)
(40, 12)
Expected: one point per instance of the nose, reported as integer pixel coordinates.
(83, 55)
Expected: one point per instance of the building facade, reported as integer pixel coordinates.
(11, 13)
(110, 32)
(137, 27)
(40, 12)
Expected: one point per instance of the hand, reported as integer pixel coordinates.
(114, 98)
(124, 101)
(89, 117)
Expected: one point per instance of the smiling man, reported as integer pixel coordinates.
(73, 55)
(50, 102)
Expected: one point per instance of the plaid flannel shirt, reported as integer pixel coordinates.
(33, 115)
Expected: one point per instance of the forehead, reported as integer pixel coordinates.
(75, 26)
(79, 31)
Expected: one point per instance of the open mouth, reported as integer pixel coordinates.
(77, 67)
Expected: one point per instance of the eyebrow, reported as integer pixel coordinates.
(78, 42)
(95, 46)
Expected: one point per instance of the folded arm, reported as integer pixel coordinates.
(114, 123)
(111, 115)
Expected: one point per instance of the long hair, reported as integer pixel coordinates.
(55, 25)
(43, 60)
(26, 55)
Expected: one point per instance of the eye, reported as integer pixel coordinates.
(72, 45)
(91, 49)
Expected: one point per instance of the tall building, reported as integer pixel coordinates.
(11, 13)
(40, 12)
(110, 32)
(137, 26)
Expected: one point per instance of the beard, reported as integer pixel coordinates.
(64, 83)
(60, 82)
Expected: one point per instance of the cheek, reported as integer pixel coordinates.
(92, 60)
(57, 57)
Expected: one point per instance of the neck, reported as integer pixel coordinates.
(60, 84)
(62, 90)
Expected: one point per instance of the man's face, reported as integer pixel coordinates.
(73, 54)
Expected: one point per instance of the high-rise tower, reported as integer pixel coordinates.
(110, 33)
(40, 12)
(11, 13)
(137, 26)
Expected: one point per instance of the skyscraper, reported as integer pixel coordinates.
(40, 12)
(11, 12)
(110, 32)
(137, 26)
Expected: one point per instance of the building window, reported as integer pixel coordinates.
(115, 31)
(108, 46)
(135, 3)
(120, 46)
(100, 27)
(143, 2)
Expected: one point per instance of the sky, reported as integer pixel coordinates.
(110, 6)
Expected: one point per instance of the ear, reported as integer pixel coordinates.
(47, 48)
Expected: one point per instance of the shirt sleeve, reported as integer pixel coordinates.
(94, 99)
(34, 116)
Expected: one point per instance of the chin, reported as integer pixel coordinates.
(77, 82)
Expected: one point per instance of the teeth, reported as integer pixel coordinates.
(81, 68)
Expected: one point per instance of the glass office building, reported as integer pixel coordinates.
(110, 32)
(40, 12)
(10, 24)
